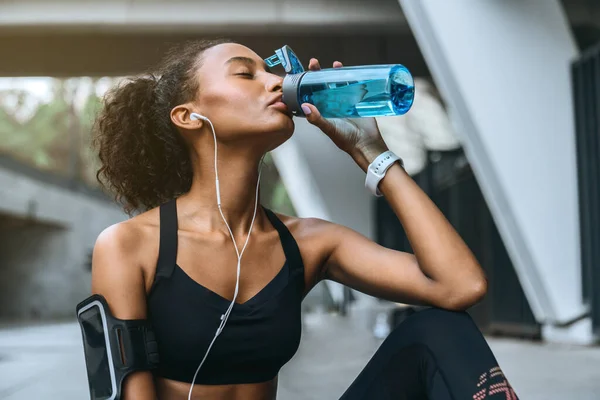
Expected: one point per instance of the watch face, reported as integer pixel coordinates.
(100, 375)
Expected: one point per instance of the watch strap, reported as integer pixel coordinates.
(377, 170)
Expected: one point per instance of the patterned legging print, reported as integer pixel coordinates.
(494, 384)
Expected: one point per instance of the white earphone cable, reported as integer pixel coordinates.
(225, 316)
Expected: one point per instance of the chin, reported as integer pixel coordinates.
(283, 125)
(281, 135)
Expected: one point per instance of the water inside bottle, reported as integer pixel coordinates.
(391, 95)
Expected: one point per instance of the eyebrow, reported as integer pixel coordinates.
(247, 60)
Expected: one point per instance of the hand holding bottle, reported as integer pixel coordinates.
(359, 137)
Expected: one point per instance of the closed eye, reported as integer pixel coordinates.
(247, 74)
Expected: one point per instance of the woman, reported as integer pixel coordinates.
(174, 263)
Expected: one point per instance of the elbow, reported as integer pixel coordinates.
(478, 291)
(468, 296)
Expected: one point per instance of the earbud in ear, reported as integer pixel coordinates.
(196, 116)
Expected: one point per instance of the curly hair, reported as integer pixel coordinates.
(144, 161)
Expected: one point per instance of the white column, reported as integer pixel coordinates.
(503, 68)
(324, 182)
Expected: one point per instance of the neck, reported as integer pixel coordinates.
(238, 177)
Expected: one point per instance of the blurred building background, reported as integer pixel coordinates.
(504, 136)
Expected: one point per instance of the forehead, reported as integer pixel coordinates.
(218, 55)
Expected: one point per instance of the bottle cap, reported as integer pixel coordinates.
(288, 60)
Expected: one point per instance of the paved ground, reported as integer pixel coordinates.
(46, 362)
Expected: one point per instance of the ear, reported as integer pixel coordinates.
(180, 115)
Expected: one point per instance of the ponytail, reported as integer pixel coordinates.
(144, 160)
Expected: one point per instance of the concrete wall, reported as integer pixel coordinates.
(503, 68)
(46, 234)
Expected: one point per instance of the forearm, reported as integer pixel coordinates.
(441, 253)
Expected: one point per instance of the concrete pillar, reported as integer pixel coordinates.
(503, 69)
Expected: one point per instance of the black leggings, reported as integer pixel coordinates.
(436, 355)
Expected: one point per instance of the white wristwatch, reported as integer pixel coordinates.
(377, 170)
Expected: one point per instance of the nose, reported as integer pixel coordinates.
(274, 83)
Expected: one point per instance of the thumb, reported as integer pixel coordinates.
(314, 117)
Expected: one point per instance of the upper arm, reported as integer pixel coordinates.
(117, 275)
(358, 262)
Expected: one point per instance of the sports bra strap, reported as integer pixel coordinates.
(290, 247)
(167, 252)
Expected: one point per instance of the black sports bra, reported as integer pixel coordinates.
(261, 335)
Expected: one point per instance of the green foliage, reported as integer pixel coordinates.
(41, 139)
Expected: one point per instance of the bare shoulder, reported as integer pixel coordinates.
(129, 240)
(120, 261)
(316, 239)
(310, 230)
(313, 229)
(121, 239)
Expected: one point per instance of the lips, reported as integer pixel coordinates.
(278, 104)
(277, 99)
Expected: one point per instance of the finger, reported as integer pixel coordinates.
(337, 64)
(314, 65)
(314, 117)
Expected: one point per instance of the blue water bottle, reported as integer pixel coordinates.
(351, 92)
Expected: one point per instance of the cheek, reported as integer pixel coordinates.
(236, 110)
(227, 99)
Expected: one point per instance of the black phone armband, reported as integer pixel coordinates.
(113, 348)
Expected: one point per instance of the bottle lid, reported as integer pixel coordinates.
(288, 60)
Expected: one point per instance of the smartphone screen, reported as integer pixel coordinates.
(94, 344)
